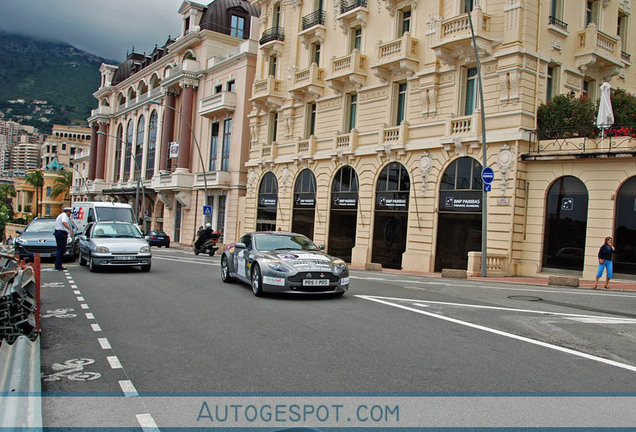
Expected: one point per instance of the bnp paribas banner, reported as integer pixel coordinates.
(460, 201)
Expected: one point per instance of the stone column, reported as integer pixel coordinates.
(185, 131)
(92, 161)
(101, 153)
(167, 131)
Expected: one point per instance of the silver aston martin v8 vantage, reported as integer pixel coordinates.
(276, 262)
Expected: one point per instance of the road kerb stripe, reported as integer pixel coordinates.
(147, 423)
(128, 388)
(114, 362)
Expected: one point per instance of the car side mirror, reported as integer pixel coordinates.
(321, 247)
(18, 231)
(147, 238)
(240, 245)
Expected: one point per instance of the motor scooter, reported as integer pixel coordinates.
(209, 246)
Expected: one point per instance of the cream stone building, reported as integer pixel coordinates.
(365, 132)
(171, 126)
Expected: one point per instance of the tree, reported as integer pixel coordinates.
(36, 179)
(62, 185)
(7, 191)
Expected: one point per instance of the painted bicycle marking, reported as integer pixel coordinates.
(73, 370)
(59, 313)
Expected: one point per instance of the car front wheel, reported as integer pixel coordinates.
(91, 264)
(257, 281)
(225, 270)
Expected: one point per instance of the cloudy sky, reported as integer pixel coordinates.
(107, 28)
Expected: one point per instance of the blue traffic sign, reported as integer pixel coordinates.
(487, 187)
(207, 210)
(487, 175)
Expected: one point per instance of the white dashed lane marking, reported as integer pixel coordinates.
(128, 388)
(84, 306)
(114, 362)
(103, 342)
(96, 327)
(147, 423)
(90, 316)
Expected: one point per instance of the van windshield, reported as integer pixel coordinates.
(115, 214)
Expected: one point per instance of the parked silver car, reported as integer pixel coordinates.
(113, 244)
(283, 263)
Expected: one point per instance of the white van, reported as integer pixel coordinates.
(85, 212)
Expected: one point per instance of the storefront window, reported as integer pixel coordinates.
(267, 203)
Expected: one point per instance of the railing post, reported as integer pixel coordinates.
(36, 271)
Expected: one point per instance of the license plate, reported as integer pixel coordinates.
(125, 258)
(45, 255)
(315, 282)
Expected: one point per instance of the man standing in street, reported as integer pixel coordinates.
(62, 231)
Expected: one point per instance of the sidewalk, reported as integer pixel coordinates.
(614, 285)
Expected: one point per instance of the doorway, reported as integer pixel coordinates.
(343, 215)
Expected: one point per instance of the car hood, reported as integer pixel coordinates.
(302, 260)
(37, 237)
(121, 245)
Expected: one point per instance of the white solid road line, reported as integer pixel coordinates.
(194, 261)
(502, 333)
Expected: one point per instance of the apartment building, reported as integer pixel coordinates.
(171, 129)
(63, 143)
(366, 132)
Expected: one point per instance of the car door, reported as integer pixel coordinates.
(84, 240)
(241, 258)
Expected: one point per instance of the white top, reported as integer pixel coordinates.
(60, 220)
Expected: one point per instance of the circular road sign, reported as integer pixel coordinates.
(487, 175)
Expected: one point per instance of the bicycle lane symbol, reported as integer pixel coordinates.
(73, 370)
(59, 313)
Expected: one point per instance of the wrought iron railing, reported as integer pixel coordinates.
(347, 5)
(272, 34)
(558, 23)
(584, 140)
(313, 19)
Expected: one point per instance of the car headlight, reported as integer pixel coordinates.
(20, 241)
(144, 249)
(276, 266)
(340, 265)
(102, 249)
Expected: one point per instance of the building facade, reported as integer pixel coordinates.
(64, 143)
(170, 131)
(366, 132)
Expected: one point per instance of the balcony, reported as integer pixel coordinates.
(173, 181)
(218, 103)
(308, 84)
(394, 5)
(352, 13)
(453, 40)
(559, 25)
(313, 28)
(598, 52)
(393, 139)
(582, 143)
(271, 41)
(348, 72)
(396, 57)
(344, 146)
(305, 149)
(214, 179)
(267, 152)
(268, 94)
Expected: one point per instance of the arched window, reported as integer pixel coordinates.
(128, 149)
(625, 236)
(139, 146)
(565, 224)
(344, 213)
(391, 215)
(152, 145)
(304, 203)
(118, 142)
(267, 203)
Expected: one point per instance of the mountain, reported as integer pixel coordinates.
(64, 76)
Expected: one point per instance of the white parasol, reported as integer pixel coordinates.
(605, 117)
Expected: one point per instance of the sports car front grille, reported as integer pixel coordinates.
(297, 278)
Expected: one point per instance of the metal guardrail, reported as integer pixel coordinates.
(20, 385)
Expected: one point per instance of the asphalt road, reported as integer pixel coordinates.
(179, 330)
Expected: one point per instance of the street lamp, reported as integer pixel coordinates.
(137, 168)
(205, 176)
(70, 164)
(484, 195)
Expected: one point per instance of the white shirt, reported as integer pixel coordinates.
(59, 222)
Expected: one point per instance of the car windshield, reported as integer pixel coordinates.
(41, 226)
(122, 214)
(281, 242)
(115, 230)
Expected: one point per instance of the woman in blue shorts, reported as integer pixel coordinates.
(605, 262)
